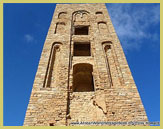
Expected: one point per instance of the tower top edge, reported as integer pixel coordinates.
(80, 4)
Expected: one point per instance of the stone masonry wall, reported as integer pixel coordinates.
(115, 96)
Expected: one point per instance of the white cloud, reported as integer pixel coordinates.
(28, 38)
(133, 23)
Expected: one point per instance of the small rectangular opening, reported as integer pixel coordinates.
(51, 124)
(81, 30)
(82, 49)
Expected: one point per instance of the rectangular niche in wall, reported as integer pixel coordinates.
(83, 78)
(81, 30)
(82, 49)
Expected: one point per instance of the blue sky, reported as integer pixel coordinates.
(25, 29)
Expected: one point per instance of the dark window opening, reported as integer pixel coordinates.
(98, 12)
(82, 49)
(81, 30)
(51, 124)
(83, 78)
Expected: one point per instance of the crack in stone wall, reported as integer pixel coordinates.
(96, 104)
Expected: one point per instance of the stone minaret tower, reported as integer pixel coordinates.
(83, 75)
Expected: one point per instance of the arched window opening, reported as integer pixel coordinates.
(83, 78)
(62, 15)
